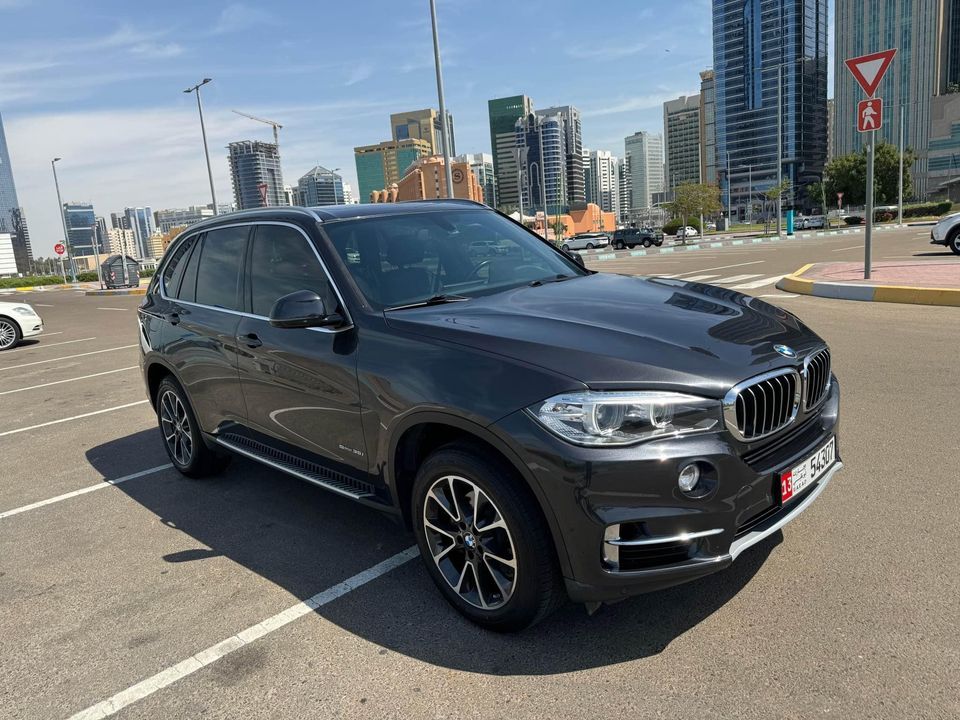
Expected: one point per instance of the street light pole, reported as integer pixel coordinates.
(63, 220)
(206, 149)
(900, 184)
(779, 145)
(443, 108)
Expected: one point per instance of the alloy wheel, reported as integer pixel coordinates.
(8, 334)
(470, 543)
(175, 426)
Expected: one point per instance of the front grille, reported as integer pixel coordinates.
(782, 448)
(644, 557)
(760, 407)
(816, 379)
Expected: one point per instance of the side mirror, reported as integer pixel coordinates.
(577, 258)
(302, 309)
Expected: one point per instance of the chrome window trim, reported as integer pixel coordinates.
(730, 402)
(349, 324)
(805, 375)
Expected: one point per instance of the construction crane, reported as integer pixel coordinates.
(275, 125)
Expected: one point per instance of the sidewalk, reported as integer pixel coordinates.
(919, 283)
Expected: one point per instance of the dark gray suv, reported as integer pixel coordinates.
(545, 431)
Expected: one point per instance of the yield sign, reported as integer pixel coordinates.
(868, 70)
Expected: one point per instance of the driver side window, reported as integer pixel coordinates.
(281, 262)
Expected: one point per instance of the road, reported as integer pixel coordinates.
(160, 596)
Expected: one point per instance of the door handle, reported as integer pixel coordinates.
(251, 340)
(172, 317)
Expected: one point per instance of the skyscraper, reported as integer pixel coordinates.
(482, 166)
(139, 220)
(681, 139)
(503, 114)
(624, 188)
(927, 32)
(82, 229)
(708, 128)
(181, 217)
(423, 125)
(754, 43)
(572, 131)
(644, 151)
(380, 166)
(253, 165)
(320, 187)
(544, 174)
(601, 180)
(12, 219)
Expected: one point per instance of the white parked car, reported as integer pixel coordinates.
(947, 232)
(686, 231)
(586, 241)
(810, 222)
(17, 321)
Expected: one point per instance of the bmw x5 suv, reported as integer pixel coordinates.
(545, 431)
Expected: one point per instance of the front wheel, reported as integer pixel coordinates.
(954, 242)
(484, 540)
(647, 243)
(181, 432)
(565, 248)
(618, 245)
(589, 246)
(9, 333)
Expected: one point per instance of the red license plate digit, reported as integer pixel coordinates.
(786, 486)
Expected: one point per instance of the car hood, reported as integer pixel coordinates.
(612, 331)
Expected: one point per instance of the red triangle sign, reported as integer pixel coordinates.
(868, 70)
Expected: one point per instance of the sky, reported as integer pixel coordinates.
(100, 83)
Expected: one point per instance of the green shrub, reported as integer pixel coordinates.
(671, 227)
(31, 281)
(883, 216)
(927, 209)
(853, 220)
(147, 272)
(87, 276)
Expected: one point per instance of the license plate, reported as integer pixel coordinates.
(796, 480)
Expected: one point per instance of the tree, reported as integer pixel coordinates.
(695, 199)
(848, 174)
(773, 195)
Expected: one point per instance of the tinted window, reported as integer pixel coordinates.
(283, 262)
(219, 272)
(173, 269)
(404, 259)
(188, 286)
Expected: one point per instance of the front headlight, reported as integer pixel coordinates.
(25, 310)
(625, 418)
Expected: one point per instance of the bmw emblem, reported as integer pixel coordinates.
(787, 352)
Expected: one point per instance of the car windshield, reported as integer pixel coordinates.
(406, 259)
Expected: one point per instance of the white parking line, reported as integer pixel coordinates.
(60, 382)
(759, 283)
(41, 305)
(722, 267)
(83, 491)
(170, 675)
(778, 295)
(67, 357)
(852, 247)
(120, 309)
(698, 278)
(63, 342)
(736, 278)
(75, 417)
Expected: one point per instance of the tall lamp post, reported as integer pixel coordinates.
(63, 221)
(203, 131)
(444, 122)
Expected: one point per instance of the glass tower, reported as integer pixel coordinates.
(321, 187)
(545, 141)
(12, 219)
(765, 51)
(503, 114)
(252, 165)
(81, 228)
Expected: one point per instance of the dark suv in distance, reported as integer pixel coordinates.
(545, 431)
(631, 237)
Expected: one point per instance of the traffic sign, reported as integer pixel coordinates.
(59, 249)
(262, 187)
(869, 115)
(868, 70)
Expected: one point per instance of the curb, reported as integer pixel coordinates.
(123, 291)
(796, 283)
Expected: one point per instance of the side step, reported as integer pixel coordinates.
(296, 466)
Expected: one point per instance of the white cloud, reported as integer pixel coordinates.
(239, 16)
(157, 50)
(640, 102)
(606, 52)
(358, 73)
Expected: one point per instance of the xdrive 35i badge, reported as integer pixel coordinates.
(787, 352)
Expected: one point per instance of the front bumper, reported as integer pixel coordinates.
(665, 537)
(30, 326)
(936, 238)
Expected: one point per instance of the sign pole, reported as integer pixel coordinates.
(868, 236)
(62, 271)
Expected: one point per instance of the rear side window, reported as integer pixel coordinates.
(173, 270)
(188, 286)
(283, 262)
(218, 274)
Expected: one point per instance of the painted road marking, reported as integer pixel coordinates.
(736, 278)
(723, 267)
(759, 283)
(852, 247)
(203, 658)
(120, 309)
(60, 382)
(778, 295)
(696, 278)
(67, 357)
(62, 342)
(104, 483)
(75, 417)
(42, 305)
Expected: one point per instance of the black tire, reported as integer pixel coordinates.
(198, 460)
(10, 334)
(618, 245)
(589, 246)
(647, 243)
(565, 248)
(632, 246)
(953, 242)
(535, 589)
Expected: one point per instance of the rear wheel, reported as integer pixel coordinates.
(647, 243)
(589, 246)
(9, 333)
(182, 437)
(619, 245)
(565, 248)
(484, 540)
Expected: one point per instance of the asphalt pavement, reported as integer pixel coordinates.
(127, 590)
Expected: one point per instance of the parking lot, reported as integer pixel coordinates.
(127, 589)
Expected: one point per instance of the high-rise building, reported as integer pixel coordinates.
(423, 125)
(572, 131)
(82, 229)
(503, 114)
(482, 166)
(681, 139)
(831, 116)
(600, 175)
(708, 128)
(320, 187)
(624, 188)
(348, 198)
(140, 221)
(927, 32)
(12, 219)
(125, 242)
(8, 263)
(256, 174)
(166, 220)
(544, 172)
(943, 162)
(380, 166)
(644, 151)
(426, 180)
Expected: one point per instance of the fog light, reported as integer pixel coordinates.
(689, 477)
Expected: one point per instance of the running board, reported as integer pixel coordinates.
(298, 467)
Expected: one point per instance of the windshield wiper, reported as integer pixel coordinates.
(557, 278)
(435, 300)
